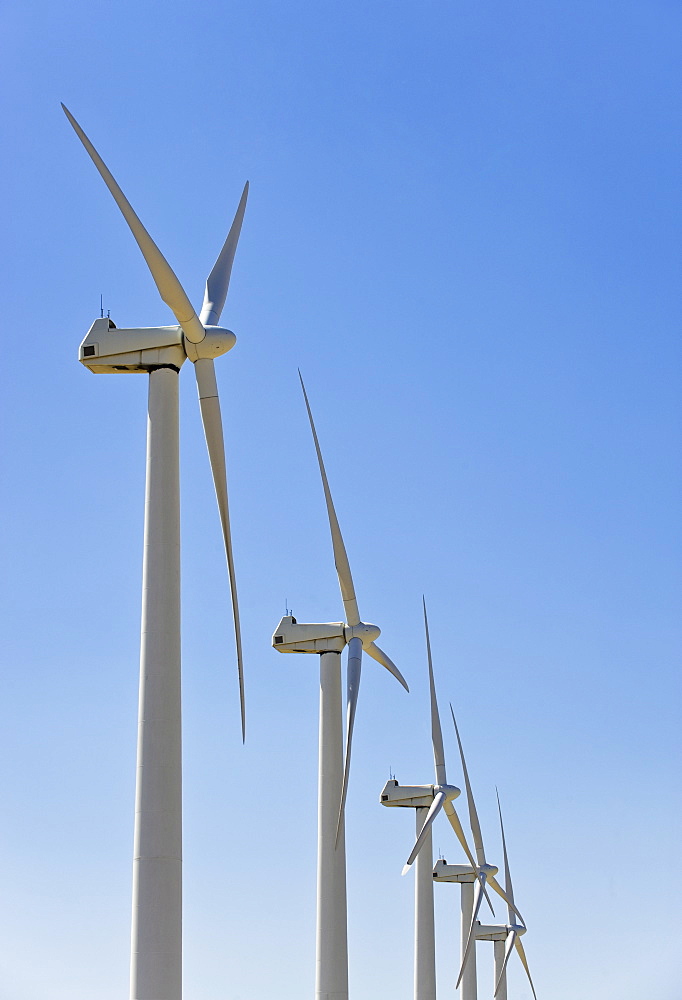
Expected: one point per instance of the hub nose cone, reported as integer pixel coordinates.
(218, 341)
(365, 633)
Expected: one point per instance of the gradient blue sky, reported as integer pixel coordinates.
(464, 227)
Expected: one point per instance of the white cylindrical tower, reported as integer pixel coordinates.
(424, 927)
(468, 989)
(156, 948)
(499, 947)
(331, 978)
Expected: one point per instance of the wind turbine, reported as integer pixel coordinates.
(486, 873)
(156, 945)
(328, 640)
(513, 930)
(473, 880)
(427, 801)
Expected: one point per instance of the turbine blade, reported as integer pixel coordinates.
(218, 280)
(436, 731)
(473, 815)
(524, 961)
(434, 809)
(170, 289)
(494, 884)
(508, 887)
(478, 899)
(353, 686)
(385, 661)
(213, 429)
(451, 814)
(508, 946)
(340, 557)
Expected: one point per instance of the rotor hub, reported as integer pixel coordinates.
(217, 341)
(365, 633)
(451, 791)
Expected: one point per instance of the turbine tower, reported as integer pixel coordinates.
(427, 801)
(328, 640)
(465, 876)
(156, 945)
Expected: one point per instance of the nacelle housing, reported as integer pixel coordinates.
(107, 349)
(292, 637)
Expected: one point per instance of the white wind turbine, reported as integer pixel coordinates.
(427, 801)
(513, 930)
(156, 946)
(485, 872)
(328, 640)
(473, 880)
(504, 936)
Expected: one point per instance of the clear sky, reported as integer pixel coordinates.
(464, 227)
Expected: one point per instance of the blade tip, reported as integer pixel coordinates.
(406, 869)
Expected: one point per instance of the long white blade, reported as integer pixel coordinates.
(451, 814)
(508, 887)
(436, 731)
(385, 661)
(213, 429)
(434, 809)
(218, 280)
(340, 557)
(478, 899)
(473, 815)
(508, 946)
(494, 884)
(524, 961)
(170, 289)
(353, 672)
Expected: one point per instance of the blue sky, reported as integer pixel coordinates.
(464, 227)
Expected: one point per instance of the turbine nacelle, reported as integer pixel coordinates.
(110, 349)
(491, 932)
(106, 348)
(414, 796)
(293, 637)
(443, 872)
